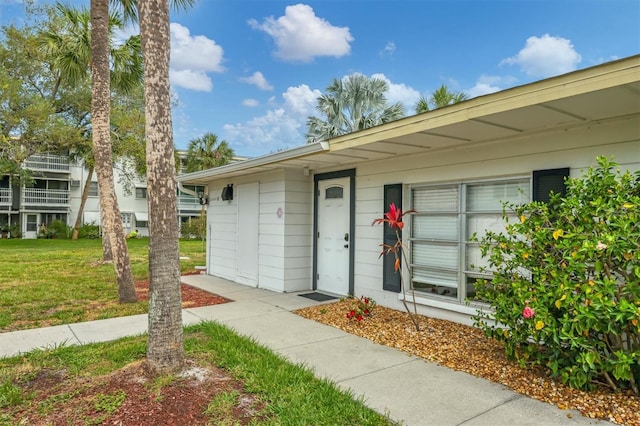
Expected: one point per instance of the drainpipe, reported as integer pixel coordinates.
(191, 192)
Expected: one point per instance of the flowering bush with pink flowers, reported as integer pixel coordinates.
(566, 281)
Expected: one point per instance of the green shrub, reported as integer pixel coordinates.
(15, 231)
(566, 281)
(59, 229)
(194, 228)
(89, 231)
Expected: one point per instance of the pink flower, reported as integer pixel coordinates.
(601, 245)
(527, 312)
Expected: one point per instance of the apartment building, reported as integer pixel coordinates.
(56, 193)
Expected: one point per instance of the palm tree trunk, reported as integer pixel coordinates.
(100, 110)
(83, 201)
(107, 254)
(165, 349)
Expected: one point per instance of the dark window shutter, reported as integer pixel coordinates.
(391, 278)
(550, 181)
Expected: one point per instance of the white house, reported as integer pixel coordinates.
(301, 219)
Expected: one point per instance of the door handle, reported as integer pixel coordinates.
(346, 246)
(346, 236)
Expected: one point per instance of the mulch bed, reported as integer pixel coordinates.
(465, 348)
(192, 297)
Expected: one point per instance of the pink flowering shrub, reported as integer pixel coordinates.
(566, 281)
(527, 312)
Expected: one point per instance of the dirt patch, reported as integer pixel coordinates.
(132, 396)
(192, 297)
(465, 348)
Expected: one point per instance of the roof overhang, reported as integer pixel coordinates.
(602, 93)
(294, 157)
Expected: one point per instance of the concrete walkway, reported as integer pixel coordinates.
(408, 389)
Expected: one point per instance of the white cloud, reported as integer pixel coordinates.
(489, 84)
(258, 80)
(388, 50)
(283, 126)
(406, 95)
(268, 133)
(250, 102)
(300, 35)
(190, 79)
(546, 56)
(301, 100)
(192, 57)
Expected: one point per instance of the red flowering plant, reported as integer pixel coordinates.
(393, 219)
(363, 307)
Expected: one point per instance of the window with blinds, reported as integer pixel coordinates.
(444, 262)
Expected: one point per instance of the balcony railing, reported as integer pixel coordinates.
(188, 202)
(47, 162)
(5, 196)
(45, 196)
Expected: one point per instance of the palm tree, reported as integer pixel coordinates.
(205, 153)
(100, 111)
(353, 103)
(165, 349)
(440, 98)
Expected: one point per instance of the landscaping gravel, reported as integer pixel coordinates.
(465, 348)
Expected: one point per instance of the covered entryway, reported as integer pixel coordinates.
(31, 226)
(334, 228)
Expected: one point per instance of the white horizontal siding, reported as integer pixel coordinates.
(298, 216)
(575, 148)
(222, 236)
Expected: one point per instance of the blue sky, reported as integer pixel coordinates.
(250, 71)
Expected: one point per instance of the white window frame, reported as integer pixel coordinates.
(94, 189)
(463, 272)
(143, 190)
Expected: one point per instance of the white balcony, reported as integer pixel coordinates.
(45, 197)
(47, 163)
(188, 202)
(5, 196)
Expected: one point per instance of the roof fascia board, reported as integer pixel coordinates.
(273, 158)
(591, 79)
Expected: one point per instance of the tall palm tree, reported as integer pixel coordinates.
(440, 98)
(100, 111)
(77, 53)
(165, 349)
(205, 153)
(353, 103)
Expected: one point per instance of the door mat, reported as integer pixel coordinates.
(318, 297)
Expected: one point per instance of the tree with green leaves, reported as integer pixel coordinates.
(206, 152)
(353, 103)
(440, 98)
(36, 114)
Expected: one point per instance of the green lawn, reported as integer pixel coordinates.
(46, 282)
(52, 282)
(290, 394)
